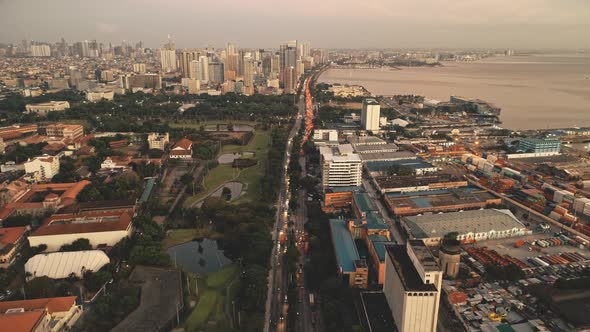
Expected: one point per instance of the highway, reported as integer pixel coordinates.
(276, 308)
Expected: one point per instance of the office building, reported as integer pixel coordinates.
(40, 50)
(249, 70)
(157, 141)
(289, 80)
(288, 65)
(204, 71)
(69, 131)
(42, 168)
(341, 167)
(412, 286)
(195, 70)
(141, 81)
(216, 73)
(370, 115)
(44, 108)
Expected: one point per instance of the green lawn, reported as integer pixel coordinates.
(211, 304)
(250, 177)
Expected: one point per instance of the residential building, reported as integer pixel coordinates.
(40, 50)
(42, 168)
(158, 141)
(412, 286)
(168, 59)
(55, 314)
(216, 73)
(11, 240)
(194, 70)
(139, 68)
(341, 167)
(471, 226)
(69, 131)
(185, 59)
(44, 108)
(141, 81)
(183, 149)
(370, 115)
(102, 229)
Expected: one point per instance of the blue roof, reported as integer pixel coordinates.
(364, 202)
(346, 252)
(380, 248)
(375, 221)
(149, 186)
(344, 189)
(421, 202)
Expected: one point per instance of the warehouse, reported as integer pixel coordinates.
(472, 226)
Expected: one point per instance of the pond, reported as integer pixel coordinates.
(228, 158)
(191, 259)
(234, 187)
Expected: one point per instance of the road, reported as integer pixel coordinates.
(276, 309)
(379, 204)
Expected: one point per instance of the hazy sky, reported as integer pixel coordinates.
(326, 23)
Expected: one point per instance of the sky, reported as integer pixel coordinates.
(555, 24)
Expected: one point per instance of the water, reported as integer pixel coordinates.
(187, 256)
(534, 92)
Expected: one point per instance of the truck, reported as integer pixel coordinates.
(311, 299)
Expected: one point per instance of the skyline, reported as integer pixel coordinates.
(547, 24)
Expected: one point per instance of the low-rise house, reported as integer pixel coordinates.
(183, 149)
(40, 315)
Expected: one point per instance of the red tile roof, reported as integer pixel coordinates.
(52, 304)
(183, 143)
(21, 322)
(55, 225)
(10, 235)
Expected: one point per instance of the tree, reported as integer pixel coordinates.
(252, 292)
(226, 193)
(78, 245)
(40, 287)
(93, 281)
(18, 220)
(187, 179)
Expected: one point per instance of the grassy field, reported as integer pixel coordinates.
(250, 177)
(211, 304)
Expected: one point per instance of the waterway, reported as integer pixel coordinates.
(191, 259)
(534, 92)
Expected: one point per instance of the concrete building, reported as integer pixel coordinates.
(69, 131)
(141, 81)
(168, 59)
(139, 68)
(449, 257)
(102, 229)
(341, 167)
(216, 73)
(350, 265)
(183, 149)
(44, 108)
(99, 94)
(472, 226)
(158, 141)
(370, 115)
(185, 59)
(42, 168)
(40, 50)
(412, 286)
(54, 314)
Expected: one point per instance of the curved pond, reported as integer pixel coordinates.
(190, 258)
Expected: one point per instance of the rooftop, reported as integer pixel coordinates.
(480, 221)
(377, 156)
(424, 255)
(378, 166)
(346, 252)
(52, 304)
(87, 222)
(340, 153)
(20, 321)
(363, 202)
(360, 148)
(406, 271)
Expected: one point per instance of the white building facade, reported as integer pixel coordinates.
(370, 115)
(341, 167)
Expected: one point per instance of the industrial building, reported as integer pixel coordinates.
(349, 262)
(341, 167)
(412, 183)
(471, 226)
(541, 146)
(338, 198)
(412, 286)
(442, 200)
(414, 165)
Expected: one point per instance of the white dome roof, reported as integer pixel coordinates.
(59, 265)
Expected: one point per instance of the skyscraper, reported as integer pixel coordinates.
(204, 63)
(288, 61)
(216, 73)
(194, 70)
(370, 115)
(185, 58)
(248, 75)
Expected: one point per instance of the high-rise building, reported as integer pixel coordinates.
(288, 60)
(204, 63)
(85, 49)
(139, 68)
(168, 60)
(185, 58)
(249, 73)
(40, 50)
(341, 167)
(194, 70)
(412, 286)
(143, 81)
(216, 73)
(370, 115)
